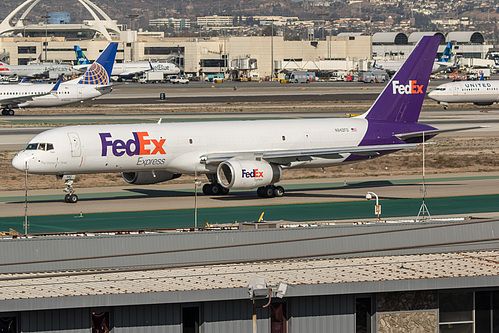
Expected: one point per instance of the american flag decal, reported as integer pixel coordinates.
(353, 129)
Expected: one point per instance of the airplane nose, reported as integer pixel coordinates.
(20, 162)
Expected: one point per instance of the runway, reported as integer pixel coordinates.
(170, 205)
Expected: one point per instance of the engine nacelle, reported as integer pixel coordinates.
(243, 174)
(148, 177)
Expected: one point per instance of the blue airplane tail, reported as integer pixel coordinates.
(100, 71)
(81, 59)
(403, 96)
(447, 53)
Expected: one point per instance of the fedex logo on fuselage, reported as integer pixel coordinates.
(407, 89)
(252, 173)
(140, 144)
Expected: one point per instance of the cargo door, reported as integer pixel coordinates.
(74, 141)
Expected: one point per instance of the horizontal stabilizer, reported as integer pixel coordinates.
(405, 136)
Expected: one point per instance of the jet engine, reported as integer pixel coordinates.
(148, 177)
(243, 174)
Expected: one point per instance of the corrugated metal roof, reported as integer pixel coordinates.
(293, 272)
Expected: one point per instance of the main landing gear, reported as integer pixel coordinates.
(70, 197)
(270, 191)
(7, 112)
(214, 188)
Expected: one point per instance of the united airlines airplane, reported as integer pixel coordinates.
(128, 70)
(94, 83)
(240, 155)
(476, 92)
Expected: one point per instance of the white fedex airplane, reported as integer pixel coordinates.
(94, 83)
(127, 70)
(240, 154)
(476, 92)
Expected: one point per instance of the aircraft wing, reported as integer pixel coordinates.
(287, 156)
(82, 68)
(411, 135)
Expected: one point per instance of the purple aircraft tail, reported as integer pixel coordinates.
(402, 98)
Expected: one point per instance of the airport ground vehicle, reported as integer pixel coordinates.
(152, 77)
(301, 77)
(179, 80)
(375, 76)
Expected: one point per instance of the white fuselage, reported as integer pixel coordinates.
(179, 147)
(136, 68)
(68, 92)
(37, 70)
(467, 92)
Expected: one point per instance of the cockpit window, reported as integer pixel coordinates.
(441, 89)
(39, 146)
(32, 146)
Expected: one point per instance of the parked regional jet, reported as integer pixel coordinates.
(42, 70)
(240, 155)
(476, 92)
(443, 63)
(128, 70)
(94, 83)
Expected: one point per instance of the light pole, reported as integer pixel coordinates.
(377, 208)
(46, 17)
(272, 52)
(423, 209)
(26, 222)
(196, 184)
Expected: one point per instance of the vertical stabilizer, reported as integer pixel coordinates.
(403, 96)
(81, 59)
(447, 53)
(100, 71)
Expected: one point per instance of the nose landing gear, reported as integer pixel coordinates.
(70, 196)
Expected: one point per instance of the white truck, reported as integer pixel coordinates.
(152, 77)
(179, 79)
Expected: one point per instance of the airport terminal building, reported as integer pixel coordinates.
(424, 276)
(236, 56)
